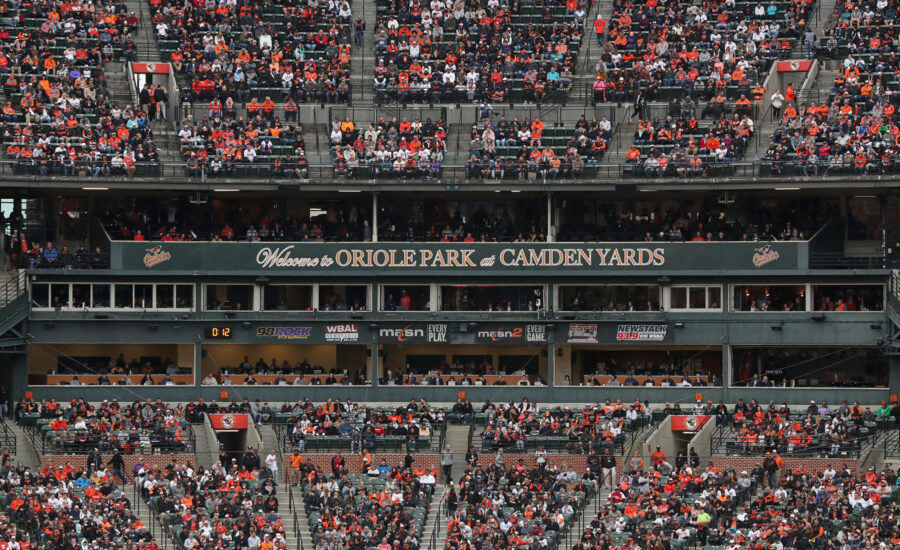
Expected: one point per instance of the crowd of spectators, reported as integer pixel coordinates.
(58, 118)
(241, 51)
(512, 505)
(476, 51)
(64, 507)
(392, 149)
(233, 503)
(702, 221)
(180, 220)
(528, 150)
(720, 507)
(820, 430)
(384, 506)
(225, 145)
(361, 424)
(79, 425)
(593, 429)
(684, 147)
(853, 132)
(722, 47)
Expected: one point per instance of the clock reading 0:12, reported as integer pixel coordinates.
(218, 332)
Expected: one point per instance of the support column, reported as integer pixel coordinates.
(894, 373)
(551, 364)
(726, 366)
(374, 365)
(550, 233)
(374, 220)
(198, 363)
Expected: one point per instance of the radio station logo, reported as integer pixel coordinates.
(156, 256)
(284, 333)
(415, 333)
(582, 333)
(765, 255)
(343, 332)
(641, 333)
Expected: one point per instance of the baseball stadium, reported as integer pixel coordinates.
(450, 275)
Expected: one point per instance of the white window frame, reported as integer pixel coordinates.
(687, 289)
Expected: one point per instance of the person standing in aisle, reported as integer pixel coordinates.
(447, 462)
(272, 465)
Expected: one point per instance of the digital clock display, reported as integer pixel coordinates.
(218, 332)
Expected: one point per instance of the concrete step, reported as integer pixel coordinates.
(25, 450)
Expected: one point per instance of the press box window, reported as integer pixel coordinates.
(769, 298)
(343, 298)
(228, 297)
(405, 298)
(609, 298)
(696, 297)
(848, 297)
(492, 298)
(288, 298)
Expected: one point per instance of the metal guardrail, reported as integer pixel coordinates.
(838, 260)
(247, 176)
(13, 288)
(7, 438)
(43, 445)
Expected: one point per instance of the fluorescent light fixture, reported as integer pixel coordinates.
(95, 188)
(516, 191)
(349, 191)
(787, 188)
(647, 190)
(226, 190)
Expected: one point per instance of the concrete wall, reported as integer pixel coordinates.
(702, 440)
(443, 394)
(664, 438)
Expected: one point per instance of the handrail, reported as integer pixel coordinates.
(13, 288)
(7, 437)
(257, 174)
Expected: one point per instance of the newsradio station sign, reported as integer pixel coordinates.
(456, 258)
(599, 333)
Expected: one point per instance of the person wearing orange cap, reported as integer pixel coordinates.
(884, 411)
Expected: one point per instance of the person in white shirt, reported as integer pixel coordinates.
(272, 464)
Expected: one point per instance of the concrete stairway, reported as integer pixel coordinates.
(287, 517)
(429, 531)
(458, 439)
(362, 58)
(25, 451)
(145, 37)
(147, 517)
(269, 442)
(117, 83)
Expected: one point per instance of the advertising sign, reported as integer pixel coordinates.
(510, 333)
(451, 258)
(413, 333)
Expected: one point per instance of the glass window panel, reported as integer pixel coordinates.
(184, 296)
(59, 295)
(101, 295)
(697, 297)
(143, 296)
(124, 295)
(40, 295)
(165, 296)
(679, 298)
(81, 296)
